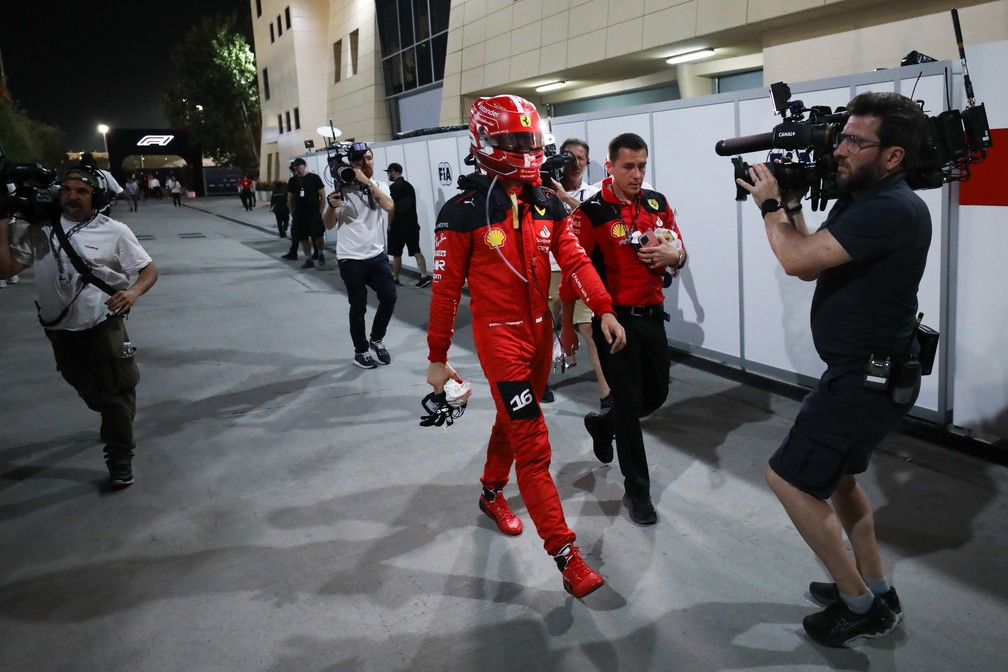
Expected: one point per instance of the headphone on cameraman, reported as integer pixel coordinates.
(101, 196)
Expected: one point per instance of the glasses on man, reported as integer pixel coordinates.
(855, 143)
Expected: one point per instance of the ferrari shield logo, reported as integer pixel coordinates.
(653, 202)
(525, 120)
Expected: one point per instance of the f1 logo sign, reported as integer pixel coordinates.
(160, 140)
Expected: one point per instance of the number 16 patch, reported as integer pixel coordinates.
(521, 403)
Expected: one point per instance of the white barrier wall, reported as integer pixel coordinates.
(733, 303)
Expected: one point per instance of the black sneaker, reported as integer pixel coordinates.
(308, 264)
(381, 353)
(315, 255)
(395, 281)
(321, 260)
(365, 360)
(837, 625)
(641, 509)
(424, 282)
(826, 594)
(601, 437)
(548, 397)
(291, 257)
(120, 475)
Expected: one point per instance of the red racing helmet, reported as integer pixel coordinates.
(506, 137)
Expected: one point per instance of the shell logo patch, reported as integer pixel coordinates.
(525, 120)
(619, 230)
(653, 202)
(494, 238)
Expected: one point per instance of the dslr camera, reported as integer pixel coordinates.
(339, 158)
(28, 190)
(553, 166)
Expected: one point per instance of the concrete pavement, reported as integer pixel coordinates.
(290, 514)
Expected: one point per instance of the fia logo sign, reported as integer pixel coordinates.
(159, 140)
(444, 173)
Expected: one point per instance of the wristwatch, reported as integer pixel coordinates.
(770, 205)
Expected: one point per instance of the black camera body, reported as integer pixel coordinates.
(553, 166)
(28, 191)
(954, 140)
(339, 159)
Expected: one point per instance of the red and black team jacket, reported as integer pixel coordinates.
(604, 226)
(505, 260)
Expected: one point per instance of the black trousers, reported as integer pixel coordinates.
(90, 361)
(638, 376)
(358, 275)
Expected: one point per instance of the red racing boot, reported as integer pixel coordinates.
(578, 578)
(497, 508)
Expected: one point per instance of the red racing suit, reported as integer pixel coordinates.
(504, 256)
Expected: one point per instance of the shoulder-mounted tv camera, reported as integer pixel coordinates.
(553, 165)
(954, 141)
(28, 190)
(341, 154)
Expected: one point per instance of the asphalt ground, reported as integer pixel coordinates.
(289, 513)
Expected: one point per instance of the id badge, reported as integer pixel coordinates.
(302, 193)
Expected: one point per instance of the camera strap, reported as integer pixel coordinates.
(81, 266)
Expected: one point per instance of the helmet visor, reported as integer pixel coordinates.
(517, 142)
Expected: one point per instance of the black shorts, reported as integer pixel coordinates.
(308, 226)
(398, 238)
(838, 427)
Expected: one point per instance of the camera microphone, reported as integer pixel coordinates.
(747, 143)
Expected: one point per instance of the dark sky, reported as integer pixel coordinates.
(79, 64)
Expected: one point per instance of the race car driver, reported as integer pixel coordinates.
(497, 235)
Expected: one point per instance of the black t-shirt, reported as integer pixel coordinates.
(869, 305)
(404, 196)
(305, 190)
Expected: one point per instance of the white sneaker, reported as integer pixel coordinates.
(13, 279)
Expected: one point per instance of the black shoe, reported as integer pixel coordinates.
(120, 475)
(308, 264)
(321, 260)
(641, 509)
(837, 625)
(314, 255)
(381, 353)
(826, 594)
(424, 281)
(601, 438)
(547, 396)
(291, 257)
(395, 281)
(364, 360)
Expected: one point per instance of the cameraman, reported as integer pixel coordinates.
(613, 224)
(867, 259)
(357, 213)
(85, 326)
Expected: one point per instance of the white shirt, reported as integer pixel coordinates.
(360, 232)
(113, 252)
(110, 182)
(582, 192)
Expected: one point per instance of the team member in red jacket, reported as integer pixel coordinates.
(497, 235)
(639, 246)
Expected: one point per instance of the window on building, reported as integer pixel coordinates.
(354, 36)
(337, 54)
(287, 17)
(738, 82)
(297, 118)
(258, 8)
(413, 35)
(269, 166)
(287, 117)
(265, 84)
(272, 34)
(280, 123)
(279, 26)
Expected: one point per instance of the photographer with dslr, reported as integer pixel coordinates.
(84, 323)
(867, 259)
(357, 211)
(631, 234)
